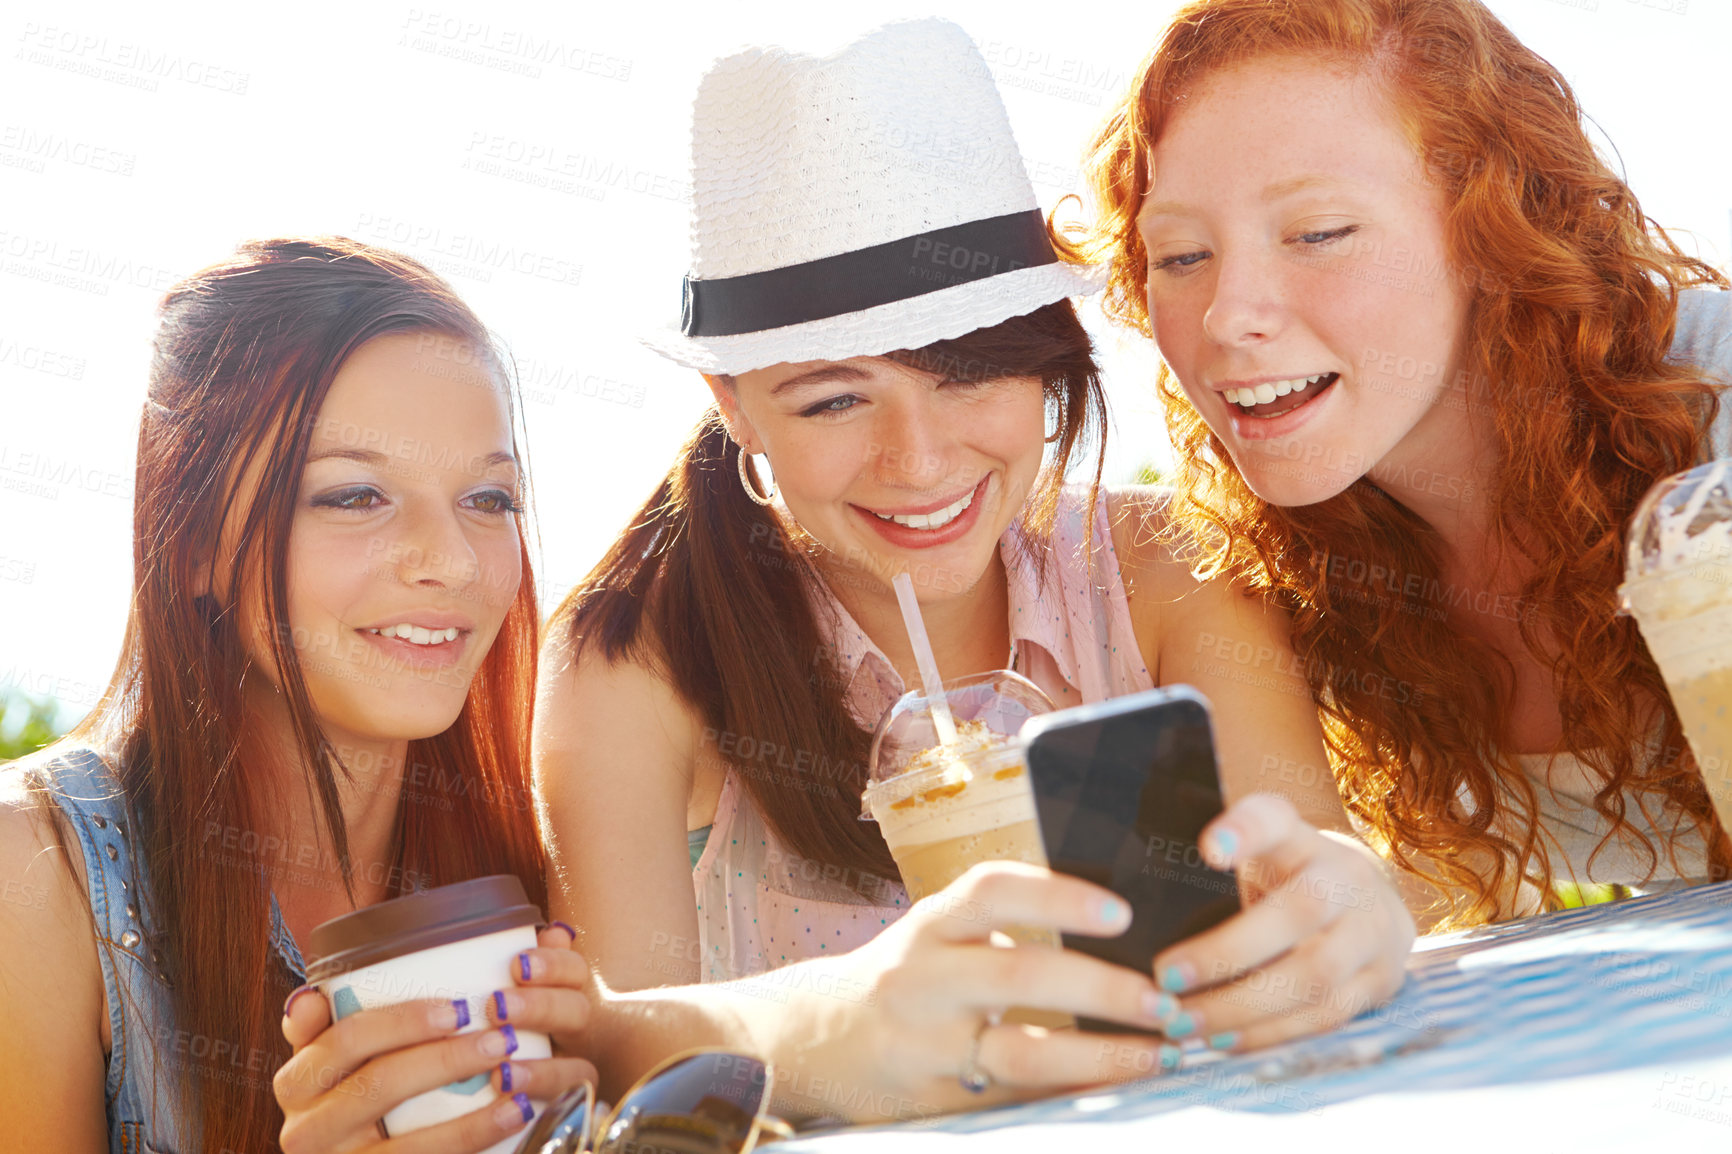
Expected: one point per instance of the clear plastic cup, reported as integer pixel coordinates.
(943, 810)
(1678, 586)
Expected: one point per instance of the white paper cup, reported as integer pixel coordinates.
(459, 943)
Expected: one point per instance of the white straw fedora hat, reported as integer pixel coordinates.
(858, 203)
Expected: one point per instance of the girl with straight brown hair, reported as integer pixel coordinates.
(331, 594)
(1425, 354)
(877, 312)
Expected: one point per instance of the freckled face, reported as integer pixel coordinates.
(894, 469)
(1298, 285)
(403, 553)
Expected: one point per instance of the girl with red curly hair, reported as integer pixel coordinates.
(1424, 355)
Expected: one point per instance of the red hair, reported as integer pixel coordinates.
(1573, 304)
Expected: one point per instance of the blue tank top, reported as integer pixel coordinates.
(144, 1072)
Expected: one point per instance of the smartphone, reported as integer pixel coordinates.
(1122, 790)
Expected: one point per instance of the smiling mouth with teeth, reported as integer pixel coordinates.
(1272, 398)
(416, 635)
(936, 520)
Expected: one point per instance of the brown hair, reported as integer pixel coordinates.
(1573, 305)
(244, 357)
(706, 587)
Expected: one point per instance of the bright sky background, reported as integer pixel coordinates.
(140, 142)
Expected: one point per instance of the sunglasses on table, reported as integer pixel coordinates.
(700, 1102)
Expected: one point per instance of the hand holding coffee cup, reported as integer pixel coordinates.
(433, 1017)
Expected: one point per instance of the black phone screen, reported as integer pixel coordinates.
(1123, 789)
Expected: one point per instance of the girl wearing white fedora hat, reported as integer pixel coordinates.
(878, 310)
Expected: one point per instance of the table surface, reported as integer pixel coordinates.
(1605, 1028)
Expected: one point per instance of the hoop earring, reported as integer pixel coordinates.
(747, 483)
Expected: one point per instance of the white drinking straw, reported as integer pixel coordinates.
(941, 719)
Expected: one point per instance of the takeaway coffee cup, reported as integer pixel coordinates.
(944, 808)
(1678, 586)
(455, 942)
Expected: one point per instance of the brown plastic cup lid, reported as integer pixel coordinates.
(408, 925)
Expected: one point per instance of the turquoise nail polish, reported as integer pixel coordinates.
(1175, 977)
(1182, 1025)
(1159, 1007)
(1226, 843)
(1113, 911)
(344, 1003)
(1225, 1040)
(468, 1087)
(1170, 1056)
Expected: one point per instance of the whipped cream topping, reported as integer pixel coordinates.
(1663, 540)
(940, 776)
(1679, 571)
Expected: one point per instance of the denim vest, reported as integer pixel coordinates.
(144, 1074)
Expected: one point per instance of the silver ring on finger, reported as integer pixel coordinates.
(973, 1078)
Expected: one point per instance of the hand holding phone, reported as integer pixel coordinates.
(1123, 790)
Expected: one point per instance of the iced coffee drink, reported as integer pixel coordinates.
(946, 807)
(1679, 588)
(954, 806)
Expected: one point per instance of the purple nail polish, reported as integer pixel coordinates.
(566, 928)
(499, 1005)
(287, 1005)
(510, 1039)
(524, 1107)
(505, 1077)
(461, 1005)
(523, 966)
